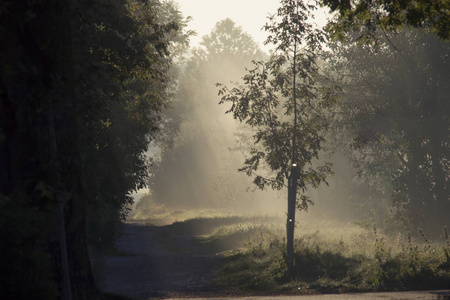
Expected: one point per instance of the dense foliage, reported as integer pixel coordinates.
(393, 111)
(393, 116)
(366, 17)
(82, 85)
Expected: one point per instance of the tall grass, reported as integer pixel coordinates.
(159, 214)
(334, 257)
(330, 256)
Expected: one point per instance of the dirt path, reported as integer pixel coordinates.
(156, 262)
(170, 262)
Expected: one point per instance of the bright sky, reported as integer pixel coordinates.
(251, 15)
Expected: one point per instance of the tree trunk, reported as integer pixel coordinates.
(290, 224)
(81, 276)
(40, 149)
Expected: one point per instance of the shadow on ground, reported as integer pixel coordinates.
(175, 260)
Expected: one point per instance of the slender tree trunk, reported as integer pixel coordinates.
(290, 224)
(83, 283)
(292, 183)
(67, 294)
(78, 279)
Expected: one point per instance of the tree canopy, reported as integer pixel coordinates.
(390, 16)
(193, 167)
(284, 102)
(266, 102)
(395, 114)
(81, 90)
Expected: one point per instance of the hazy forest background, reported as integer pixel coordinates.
(101, 99)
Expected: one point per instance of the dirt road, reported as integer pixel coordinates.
(169, 262)
(156, 262)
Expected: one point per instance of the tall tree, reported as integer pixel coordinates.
(131, 116)
(394, 111)
(39, 149)
(80, 87)
(390, 16)
(195, 161)
(283, 101)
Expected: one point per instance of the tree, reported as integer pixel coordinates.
(284, 102)
(391, 16)
(80, 89)
(39, 143)
(394, 113)
(130, 119)
(193, 167)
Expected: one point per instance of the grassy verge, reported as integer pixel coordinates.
(160, 215)
(336, 258)
(330, 257)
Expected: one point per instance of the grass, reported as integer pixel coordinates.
(159, 214)
(235, 236)
(330, 257)
(336, 258)
(216, 235)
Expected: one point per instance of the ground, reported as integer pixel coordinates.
(174, 261)
(156, 261)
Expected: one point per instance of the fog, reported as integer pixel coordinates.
(343, 197)
(196, 164)
(195, 161)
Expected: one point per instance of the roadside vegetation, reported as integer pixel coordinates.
(336, 258)
(330, 256)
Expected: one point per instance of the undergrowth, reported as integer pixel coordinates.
(336, 259)
(329, 257)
